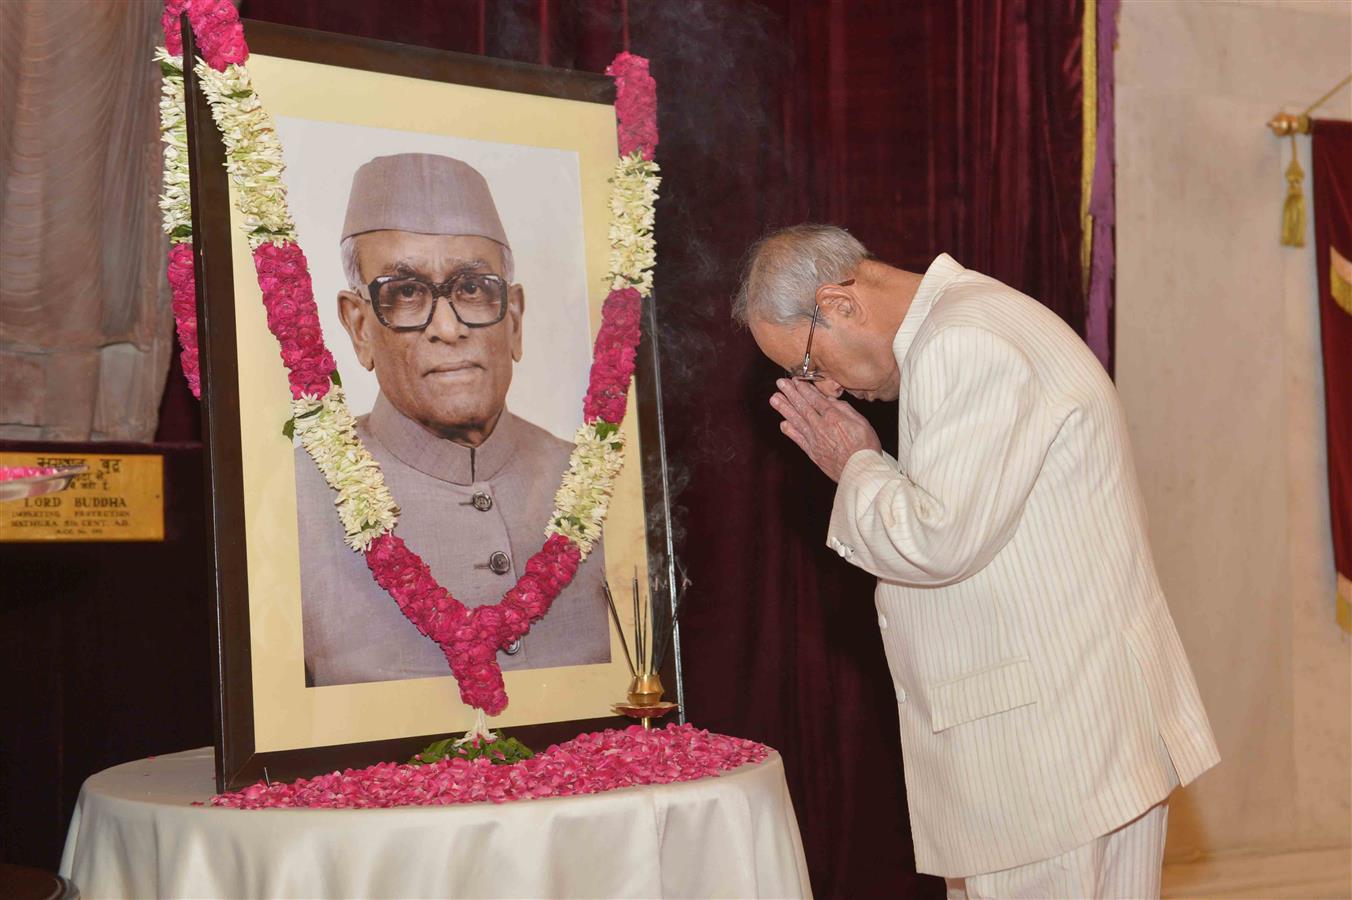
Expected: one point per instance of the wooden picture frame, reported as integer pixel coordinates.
(239, 759)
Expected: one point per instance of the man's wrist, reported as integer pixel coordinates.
(858, 460)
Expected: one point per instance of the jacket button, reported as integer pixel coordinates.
(882, 620)
(499, 563)
(482, 502)
(513, 648)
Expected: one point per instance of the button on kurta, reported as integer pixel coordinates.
(481, 501)
(499, 563)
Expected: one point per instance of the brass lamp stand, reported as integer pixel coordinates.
(644, 701)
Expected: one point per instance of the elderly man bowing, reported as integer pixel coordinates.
(433, 309)
(1047, 709)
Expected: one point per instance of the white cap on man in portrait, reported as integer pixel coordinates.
(432, 309)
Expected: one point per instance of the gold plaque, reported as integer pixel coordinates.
(120, 498)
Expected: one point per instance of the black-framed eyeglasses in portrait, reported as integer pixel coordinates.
(407, 303)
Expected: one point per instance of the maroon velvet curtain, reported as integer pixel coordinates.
(1331, 152)
(945, 125)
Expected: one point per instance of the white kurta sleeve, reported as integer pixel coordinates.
(981, 430)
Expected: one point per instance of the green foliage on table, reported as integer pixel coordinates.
(500, 751)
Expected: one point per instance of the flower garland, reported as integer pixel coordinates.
(469, 638)
(176, 207)
(588, 764)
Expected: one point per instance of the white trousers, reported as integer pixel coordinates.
(1121, 865)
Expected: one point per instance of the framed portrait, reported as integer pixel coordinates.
(470, 416)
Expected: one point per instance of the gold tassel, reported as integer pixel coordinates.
(1293, 210)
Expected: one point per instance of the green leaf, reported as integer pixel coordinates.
(289, 429)
(433, 752)
(512, 750)
(333, 376)
(169, 70)
(606, 429)
(240, 95)
(181, 231)
(500, 751)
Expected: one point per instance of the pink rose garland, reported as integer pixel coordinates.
(613, 356)
(288, 295)
(635, 104)
(220, 41)
(183, 290)
(588, 764)
(293, 317)
(215, 26)
(470, 638)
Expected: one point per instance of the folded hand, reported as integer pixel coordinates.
(829, 430)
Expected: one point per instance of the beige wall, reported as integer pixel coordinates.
(1218, 366)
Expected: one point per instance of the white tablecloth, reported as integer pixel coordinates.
(135, 834)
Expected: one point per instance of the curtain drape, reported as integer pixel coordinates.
(1330, 150)
(85, 330)
(944, 125)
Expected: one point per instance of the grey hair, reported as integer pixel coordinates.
(785, 267)
(347, 252)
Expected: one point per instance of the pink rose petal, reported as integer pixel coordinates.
(588, 764)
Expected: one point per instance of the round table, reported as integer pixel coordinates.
(135, 833)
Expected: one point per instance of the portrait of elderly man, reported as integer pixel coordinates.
(432, 309)
(1047, 709)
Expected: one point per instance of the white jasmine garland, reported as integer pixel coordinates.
(633, 247)
(329, 434)
(583, 498)
(253, 155)
(175, 203)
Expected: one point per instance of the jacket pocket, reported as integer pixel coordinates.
(1004, 686)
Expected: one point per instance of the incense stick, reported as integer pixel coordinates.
(638, 639)
(641, 627)
(615, 616)
(667, 634)
(664, 638)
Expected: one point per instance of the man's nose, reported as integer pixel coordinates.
(829, 388)
(445, 325)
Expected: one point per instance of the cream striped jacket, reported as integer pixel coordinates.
(1044, 695)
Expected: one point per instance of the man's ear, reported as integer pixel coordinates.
(516, 309)
(359, 321)
(841, 301)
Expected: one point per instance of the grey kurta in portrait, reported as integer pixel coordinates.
(475, 517)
